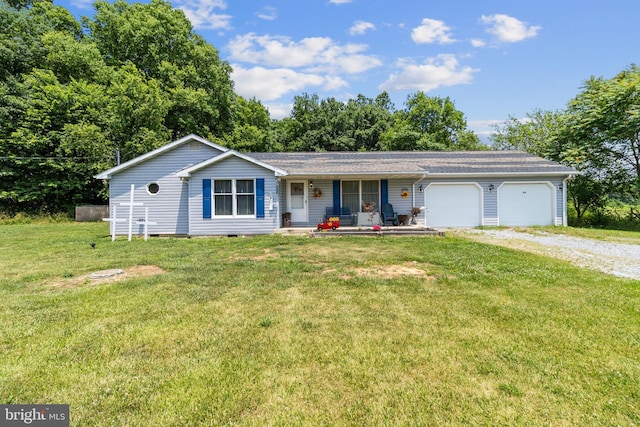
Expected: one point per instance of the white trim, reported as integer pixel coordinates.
(185, 173)
(360, 200)
(305, 199)
(565, 220)
(149, 192)
(497, 174)
(428, 175)
(126, 165)
(234, 198)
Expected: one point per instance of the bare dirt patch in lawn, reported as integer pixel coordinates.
(267, 253)
(108, 276)
(388, 271)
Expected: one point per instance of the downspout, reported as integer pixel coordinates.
(413, 197)
(565, 221)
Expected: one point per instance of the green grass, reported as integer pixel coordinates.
(280, 330)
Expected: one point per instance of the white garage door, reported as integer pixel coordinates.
(454, 205)
(523, 204)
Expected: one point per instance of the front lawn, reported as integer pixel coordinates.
(280, 330)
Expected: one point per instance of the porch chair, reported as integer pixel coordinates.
(388, 214)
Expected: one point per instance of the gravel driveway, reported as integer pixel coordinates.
(618, 259)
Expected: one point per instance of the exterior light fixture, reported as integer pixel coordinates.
(420, 188)
(491, 187)
(310, 184)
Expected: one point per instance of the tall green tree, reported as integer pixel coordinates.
(430, 123)
(252, 127)
(134, 79)
(602, 132)
(535, 134)
(331, 125)
(160, 42)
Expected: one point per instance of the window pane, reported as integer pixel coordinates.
(224, 205)
(246, 205)
(350, 195)
(222, 186)
(370, 193)
(244, 186)
(349, 187)
(297, 188)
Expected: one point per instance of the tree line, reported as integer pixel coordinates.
(74, 95)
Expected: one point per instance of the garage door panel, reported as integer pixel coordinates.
(525, 204)
(453, 205)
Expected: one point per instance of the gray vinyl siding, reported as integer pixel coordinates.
(490, 198)
(282, 200)
(317, 205)
(400, 205)
(232, 168)
(169, 207)
(560, 202)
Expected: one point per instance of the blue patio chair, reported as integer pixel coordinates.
(388, 214)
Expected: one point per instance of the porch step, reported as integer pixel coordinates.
(412, 231)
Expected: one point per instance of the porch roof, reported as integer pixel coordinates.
(413, 163)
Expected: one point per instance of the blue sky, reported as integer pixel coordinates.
(494, 59)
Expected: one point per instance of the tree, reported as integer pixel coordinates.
(535, 134)
(160, 42)
(252, 127)
(331, 125)
(602, 132)
(429, 123)
(135, 79)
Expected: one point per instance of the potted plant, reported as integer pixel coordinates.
(415, 211)
(368, 207)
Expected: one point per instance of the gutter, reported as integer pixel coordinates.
(501, 174)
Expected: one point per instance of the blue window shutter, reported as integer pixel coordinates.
(384, 191)
(260, 198)
(336, 196)
(206, 198)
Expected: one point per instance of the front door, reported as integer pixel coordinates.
(297, 192)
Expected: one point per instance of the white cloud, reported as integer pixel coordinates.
(270, 84)
(203, 15)
(82, 4)
(432, 31)
(333, 83)
(340, 1)
(478, 43)
(315, 54)
(509, 29)
(441, 71)
(267, 13)
(278, 111)
(361, 27)
(484, 128)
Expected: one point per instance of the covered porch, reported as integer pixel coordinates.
(357, 201)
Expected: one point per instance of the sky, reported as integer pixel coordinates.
(494, 58)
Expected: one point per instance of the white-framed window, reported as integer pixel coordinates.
(234, 197)
(358, 192)
(153, 188)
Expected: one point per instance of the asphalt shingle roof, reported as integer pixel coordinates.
(412, 163)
